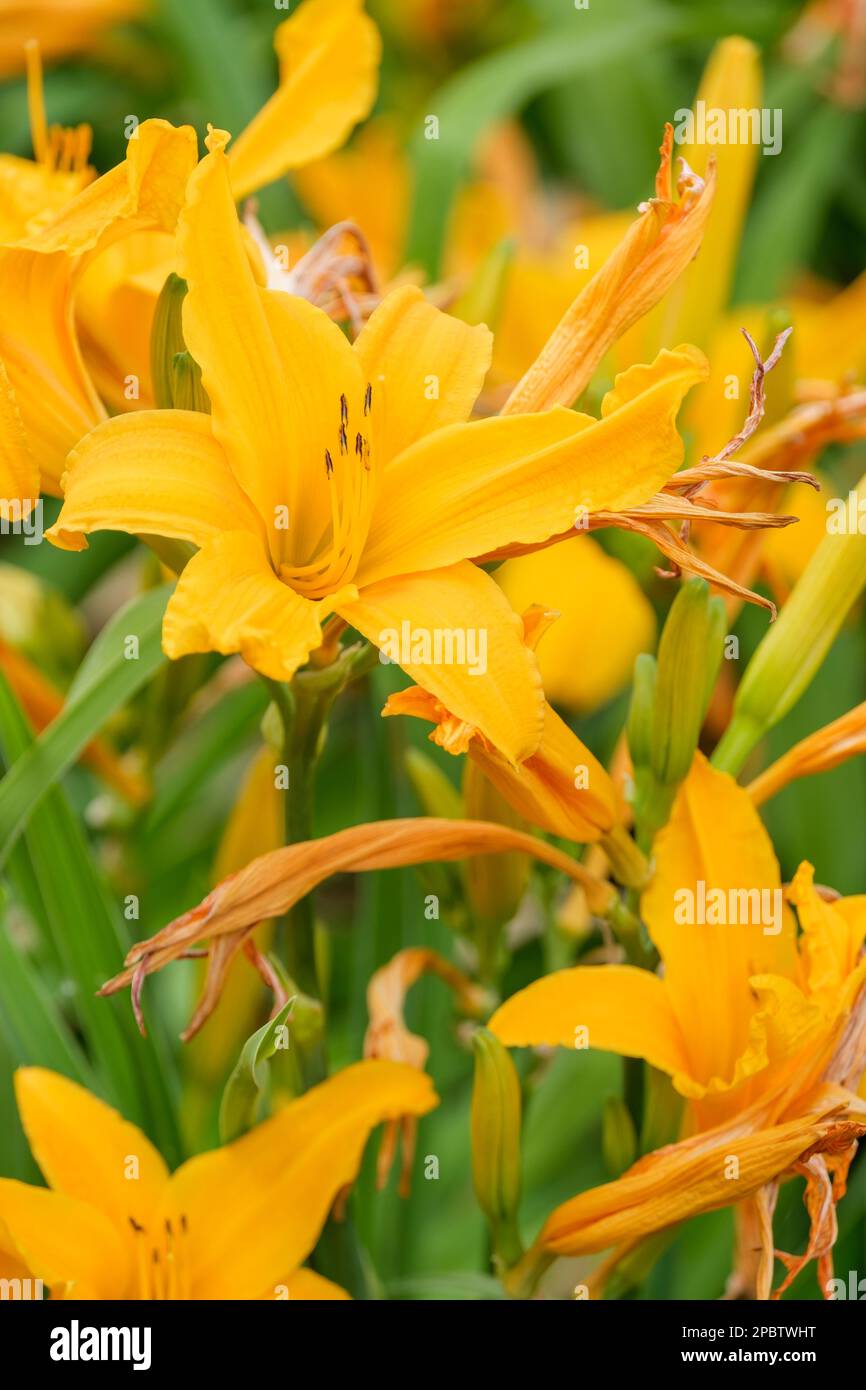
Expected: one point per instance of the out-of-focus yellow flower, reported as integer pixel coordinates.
(61, 27)
(332, 478)
(764, 1032)
(90, 261)
(604, 619)
(234, 1223)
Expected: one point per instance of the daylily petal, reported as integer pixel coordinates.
(154, 472)
(676, 1183)
(715, 837)
(146, 189)
(63, 1242)
(499, 691)
(273, 366)
(603, 615)
(561, 787)
(274, 882)
(228, 599)
(53, 393)
(426, 368)
(471, 490)
(87, 1151)
(329, 55)
(654, 252)
(19, 476)
(283, 1178)
(830, 943)
(37, 339)
(617, 1008)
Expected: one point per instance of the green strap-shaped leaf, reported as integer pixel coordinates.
(30, 1022)
(86, 933)
(123, 658)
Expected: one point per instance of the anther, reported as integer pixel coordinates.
(329, 463)
(368, 398)
(344, 411)
(344, 440)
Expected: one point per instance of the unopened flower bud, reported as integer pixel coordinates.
(496, 1144)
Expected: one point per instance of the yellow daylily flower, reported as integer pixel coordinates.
(79, 263)
(234, 1223)
(329, 52)
(62, 27)
(333, 478)
(46, 381)
(762, 1031)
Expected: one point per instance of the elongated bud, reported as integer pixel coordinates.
(690, 652)
(176, 376)
(618, 1138)
(639, 729)
(794, 647)
(495, 883)
(166, 339)
(496, 1144)
(188, 393)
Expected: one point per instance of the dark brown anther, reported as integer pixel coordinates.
(368, 398)
(139, 1230)
(329, 463)
(359, 445)
(344, 411)
(344, 440)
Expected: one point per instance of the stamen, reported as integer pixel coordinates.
(144, 1285)
(344, 411)
(344, 440)
(368, 398)
(329, 463)
(36, 100)
(359, 445)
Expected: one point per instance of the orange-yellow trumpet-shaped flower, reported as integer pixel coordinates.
(333, 478)
(762, 1031)
(234, 1223)
(81, 266)
(274, 882)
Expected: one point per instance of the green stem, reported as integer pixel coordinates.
(736, 744)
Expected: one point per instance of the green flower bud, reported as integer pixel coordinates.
(690, 652)
(496, 1144)
(794, 647)
(176, 376)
